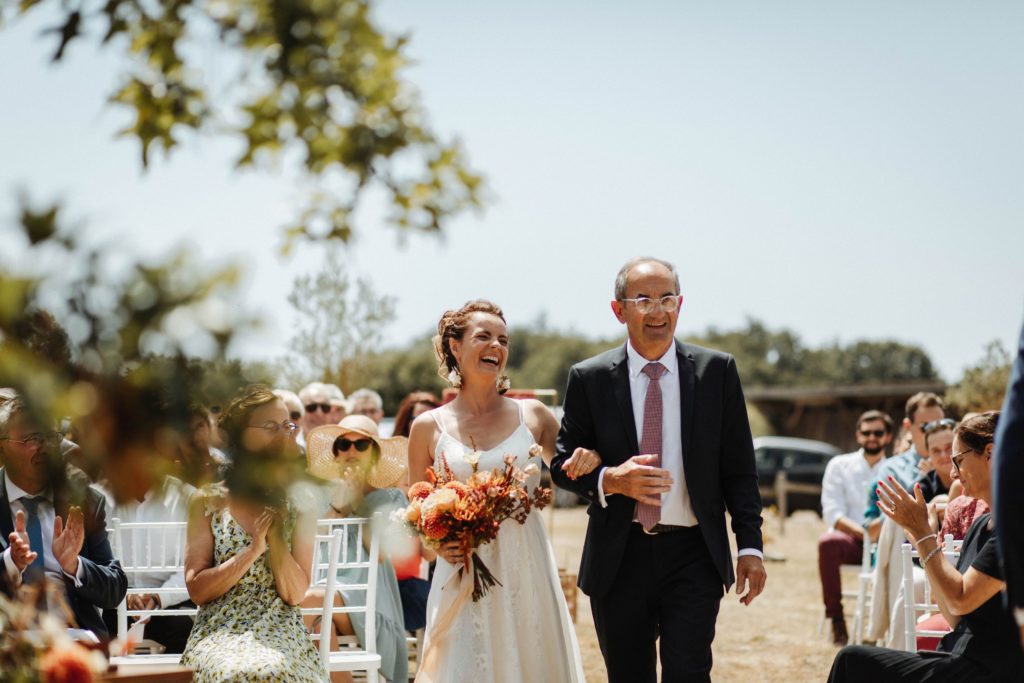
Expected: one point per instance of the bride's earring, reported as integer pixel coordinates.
(503, 383)
(455, 378)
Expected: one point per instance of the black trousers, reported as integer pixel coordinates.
(667, 588)
(857, 663)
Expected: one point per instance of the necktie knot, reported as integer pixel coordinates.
(654, 371)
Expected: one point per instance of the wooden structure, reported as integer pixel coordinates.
(830, 413)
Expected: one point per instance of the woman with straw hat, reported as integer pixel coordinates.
(362, 471)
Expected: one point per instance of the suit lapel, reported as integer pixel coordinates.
(623, 398)
(687, 393)
(6, 523)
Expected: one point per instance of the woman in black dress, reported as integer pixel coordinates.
(983, 644)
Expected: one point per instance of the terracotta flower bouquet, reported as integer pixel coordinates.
(444, 509)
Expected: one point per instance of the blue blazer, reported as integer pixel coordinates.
(1008, 473)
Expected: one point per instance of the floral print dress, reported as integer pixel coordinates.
(249, 633)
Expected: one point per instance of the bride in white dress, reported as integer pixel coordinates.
(520, 630)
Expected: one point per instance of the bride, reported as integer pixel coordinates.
(520, 630)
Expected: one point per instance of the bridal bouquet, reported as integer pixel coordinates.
(444, 509)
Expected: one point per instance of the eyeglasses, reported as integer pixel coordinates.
(295, 415)
(958, 458)
(37, 441)
(272, 428)
(644, 305)
(944, 423)
(877, 433)
(343, 444)
(324, 407)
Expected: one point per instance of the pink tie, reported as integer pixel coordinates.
(650, 442)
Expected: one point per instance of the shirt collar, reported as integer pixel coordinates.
(637, 362)
(15, 492)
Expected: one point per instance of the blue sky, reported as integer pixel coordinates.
(847, 171)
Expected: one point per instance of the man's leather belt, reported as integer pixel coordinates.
(664, 529)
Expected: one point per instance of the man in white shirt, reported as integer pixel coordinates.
(843, 488)
(165, 502)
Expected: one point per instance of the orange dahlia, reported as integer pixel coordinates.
(434, 525)
(420, 490)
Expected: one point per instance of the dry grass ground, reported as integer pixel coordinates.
(774, 639)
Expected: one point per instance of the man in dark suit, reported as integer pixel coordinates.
(670, 425)
(65, 520)
(1008, 470)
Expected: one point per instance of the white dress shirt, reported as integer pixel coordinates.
(165, 503)
(676, 508)
(47, 516)
(845, 487)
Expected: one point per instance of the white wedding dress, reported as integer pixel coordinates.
(520, 630)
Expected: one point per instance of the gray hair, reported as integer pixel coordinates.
(620, 279)
(364, 394)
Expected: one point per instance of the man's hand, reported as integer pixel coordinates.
(750, 567)
(582, 461)
(21, 551)
(637, 479)
(67, 540)
(144, 601)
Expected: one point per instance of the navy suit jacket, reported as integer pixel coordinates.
(1008, 471)
(104, 583)
(718, 456)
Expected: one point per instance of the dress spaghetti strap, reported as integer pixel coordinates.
(436, 415)
(522, 415)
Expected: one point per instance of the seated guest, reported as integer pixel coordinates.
(200, 463)
(922, 408)
(366, 402)
(842, 503)
(249, 555)
(364, 469)
(982, 645)
(293, 403)
(324, 404)
(938, 443)
(413, 589)
(960, 514)
(165, 501)
(65, 522)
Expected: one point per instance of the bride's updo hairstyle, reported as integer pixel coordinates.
(453, 325)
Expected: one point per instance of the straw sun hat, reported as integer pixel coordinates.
(390, 467)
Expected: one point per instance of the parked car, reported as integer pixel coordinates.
(803, 461)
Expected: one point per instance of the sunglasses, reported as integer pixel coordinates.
(324, 407)
(944, 423)
(877, 433)
(343, 444)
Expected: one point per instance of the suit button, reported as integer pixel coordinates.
(590, 493)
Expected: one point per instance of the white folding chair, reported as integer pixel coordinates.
(155, 547)
(865, 577)
(951, 549)
(342, 548)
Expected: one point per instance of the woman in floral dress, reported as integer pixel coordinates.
(249, 555)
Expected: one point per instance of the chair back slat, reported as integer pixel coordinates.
(951, 550)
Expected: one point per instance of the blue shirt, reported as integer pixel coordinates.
(903, 468)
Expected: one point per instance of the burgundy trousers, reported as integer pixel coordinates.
(835, 548)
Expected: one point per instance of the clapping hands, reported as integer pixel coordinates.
(21, 551)
(68, 539)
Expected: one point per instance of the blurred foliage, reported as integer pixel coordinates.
(317, 82)
(340, 320)
(983, 385)
(119, 363)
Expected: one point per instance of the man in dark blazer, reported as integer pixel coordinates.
(65, 520)
(668, 421)
(1008, 469)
